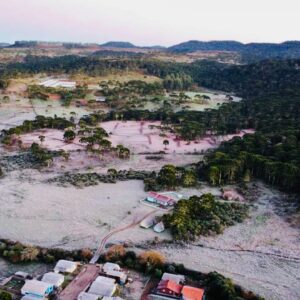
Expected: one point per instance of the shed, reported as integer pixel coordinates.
(54, 278)
(37, 288)
(111, 267)
(65, 266)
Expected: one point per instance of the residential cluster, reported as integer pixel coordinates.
(172, 286)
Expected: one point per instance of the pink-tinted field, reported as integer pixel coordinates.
(139, 137)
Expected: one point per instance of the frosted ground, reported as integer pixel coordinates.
(262, 254)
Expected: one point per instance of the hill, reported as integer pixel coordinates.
(251, 51)
(118, 45)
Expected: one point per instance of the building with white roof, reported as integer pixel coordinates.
(111, 267)
(102, 289)
(58, 83)
(54, 278)
(65, 266)
(36, 288)
(105, 280)
(120, 276)
(30, 297)
(87, 296)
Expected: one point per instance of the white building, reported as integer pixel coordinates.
(36, 288)
(120, 276)
(87, 296)
(65, 266)
(59, 83)
(54, 278)
(111, 267)
(102, 288)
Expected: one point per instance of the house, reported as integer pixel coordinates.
(160, 199)
(110, 267)
(87, 296)
(102, 286)
(192, 293)
(65, 266)
(54, 278)
(179, 279)
(168, 288)
(38, 289)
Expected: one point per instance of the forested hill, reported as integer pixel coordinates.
(252, 51)
(118, 45)
(269, 77)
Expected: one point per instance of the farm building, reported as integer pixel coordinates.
(160, 199)
(38, 289)
(65, 266)
(54, 278)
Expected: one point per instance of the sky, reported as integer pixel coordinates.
(151, 22)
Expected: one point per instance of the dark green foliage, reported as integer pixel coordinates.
(39, 123)
(203, 216)
(220, 287)
(171, 177)
(5, 295)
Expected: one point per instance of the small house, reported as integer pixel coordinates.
(65, 266)
(160, 199)
(54, 278)
(38, 289)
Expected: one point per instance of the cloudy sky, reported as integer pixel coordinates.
(150, 22)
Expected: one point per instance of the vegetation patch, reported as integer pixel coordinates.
(203, 216)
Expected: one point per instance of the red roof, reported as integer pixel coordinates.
(192, 293)
(170, 285)
(160, 197)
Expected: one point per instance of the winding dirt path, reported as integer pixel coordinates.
(110, 234)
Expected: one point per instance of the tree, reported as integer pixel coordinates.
(5, 296)
(69, 135)
(41, 138)
(166, 143)
(153, 258)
